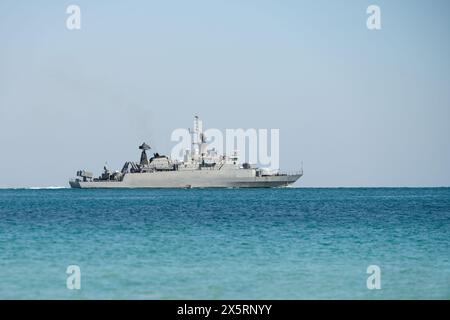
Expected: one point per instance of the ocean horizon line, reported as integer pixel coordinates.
(290, 187)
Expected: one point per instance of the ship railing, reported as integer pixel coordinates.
(290, 173)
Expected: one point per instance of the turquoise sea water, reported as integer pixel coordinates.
(225, 243)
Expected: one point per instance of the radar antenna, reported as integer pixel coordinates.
(144, 158)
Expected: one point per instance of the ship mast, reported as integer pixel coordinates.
(198, 140)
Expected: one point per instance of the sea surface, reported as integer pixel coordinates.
(292, 243)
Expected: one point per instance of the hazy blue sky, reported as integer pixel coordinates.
(359, 107)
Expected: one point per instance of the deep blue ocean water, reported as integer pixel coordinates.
(225, 243)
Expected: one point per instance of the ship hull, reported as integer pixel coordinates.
(189, 179)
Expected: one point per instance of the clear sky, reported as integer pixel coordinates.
(358, 107)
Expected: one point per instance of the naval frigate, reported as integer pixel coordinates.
(200, 168)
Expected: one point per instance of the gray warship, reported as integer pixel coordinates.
(200, 168)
